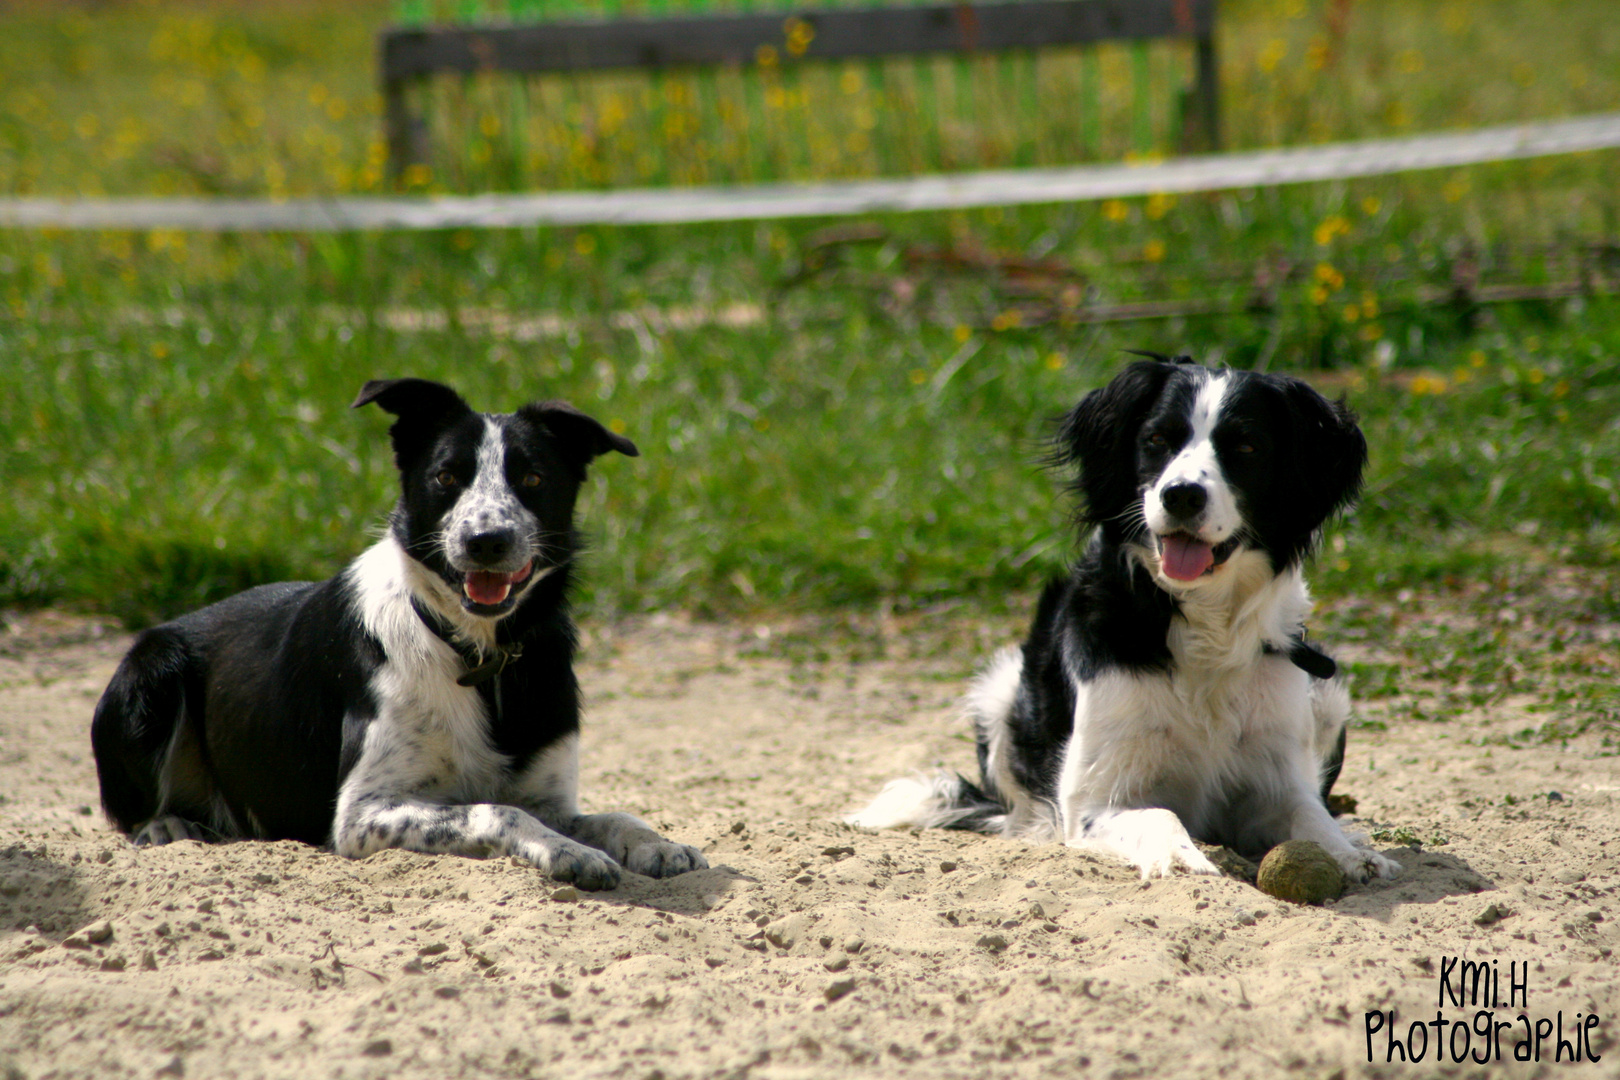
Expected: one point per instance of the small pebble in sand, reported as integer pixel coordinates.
(95, 934)
(1301, 872)
(838, 988)
(854, 944)
(565, 895)
(1493, 914)
(378, 1048)
(836, 963)
(946, 866)
(447, 992)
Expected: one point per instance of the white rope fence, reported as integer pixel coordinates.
(960, 191)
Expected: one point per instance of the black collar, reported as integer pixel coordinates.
(1309, 659)
(479, 670)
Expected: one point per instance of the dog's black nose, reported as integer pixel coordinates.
(491, 547)
(1184, 500)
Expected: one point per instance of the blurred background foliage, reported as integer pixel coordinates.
(831, 414)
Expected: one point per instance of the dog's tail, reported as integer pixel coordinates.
(938, 800)
(135, 725)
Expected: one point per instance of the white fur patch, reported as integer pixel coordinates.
(1198, 463)
(923, 801)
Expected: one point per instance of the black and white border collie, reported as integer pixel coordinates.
(1166, 691)
(424, 698)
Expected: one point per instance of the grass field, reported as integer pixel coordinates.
(822, 426)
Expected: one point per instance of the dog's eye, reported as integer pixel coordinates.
(1244, 448)
(531, 480)
(1157, 439)
(446, 478)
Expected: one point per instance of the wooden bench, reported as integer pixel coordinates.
(410, 56)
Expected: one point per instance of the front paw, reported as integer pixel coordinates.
(661, 859)
(1164, 863)
(166, 830)
(1360, 864)
(564, 860)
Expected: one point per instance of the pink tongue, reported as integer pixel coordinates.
(488, 586)
(1183, 558)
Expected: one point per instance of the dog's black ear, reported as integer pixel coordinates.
(580, 437)
(1329, 453)
(414, 398)
(424, 409)
(1099, 435)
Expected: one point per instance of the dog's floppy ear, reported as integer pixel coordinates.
(1329, 453)
(581, 438)
(1099, 435)
(424, 409)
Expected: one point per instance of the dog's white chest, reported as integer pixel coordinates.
(1185, 730)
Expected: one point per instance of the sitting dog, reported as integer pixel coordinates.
(424, 698)
(1166, 691)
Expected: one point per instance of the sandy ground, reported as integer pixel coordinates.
(810, 949)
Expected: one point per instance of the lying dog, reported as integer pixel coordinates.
(424, 698)
(1166, 691)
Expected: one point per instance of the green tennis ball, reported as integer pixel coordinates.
(1301, 872)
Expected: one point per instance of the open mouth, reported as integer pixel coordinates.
(491, 588)
(1187, 558)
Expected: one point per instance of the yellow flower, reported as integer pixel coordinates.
(1371, 205)
(1427, 384)
(962, 332)
(1536, 376)
(1055, 361)
(766, 56)
(1370, 331)
(1116, 210)
(1272, 55)
(1153, 251)
(850, 81)
(1328, 276)
(1332, 226)
(1006, 321)
(799, 36)
(417, 175)
(918, 376)
(1477, 358)
(1560, 388)
(1159, 205)
(1352, 312)
(585, 243)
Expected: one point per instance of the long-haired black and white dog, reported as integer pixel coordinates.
(1166, 691)
(424, 698)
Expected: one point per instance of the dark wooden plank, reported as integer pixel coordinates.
(736, 39)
